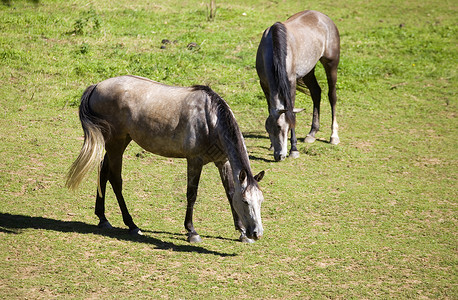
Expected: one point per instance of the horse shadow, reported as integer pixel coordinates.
(257, 135)
(13, 224)
(253, 157)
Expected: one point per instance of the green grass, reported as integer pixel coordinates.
(374, 217)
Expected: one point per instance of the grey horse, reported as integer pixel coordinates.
(183, 122)
(285, 61)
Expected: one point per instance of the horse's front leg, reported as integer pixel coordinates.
(265, 89)
(225, 173)
(293, 152)
(194, 171)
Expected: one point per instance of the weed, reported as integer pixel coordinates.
(84, 48)
(88, 22)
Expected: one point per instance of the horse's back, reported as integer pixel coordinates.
(311, 36)
(317, 22)
(130, 92)
(163, 119)
(312, 19)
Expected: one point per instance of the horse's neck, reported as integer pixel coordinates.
(234, 146)
(238, 160)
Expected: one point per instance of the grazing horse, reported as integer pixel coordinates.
(285, 61)
(183, 122)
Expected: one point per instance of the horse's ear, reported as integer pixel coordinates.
(259, 176)
(242, 178)
(295, 110)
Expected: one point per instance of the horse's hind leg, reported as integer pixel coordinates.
(194, 171)
(115, 150)
(330, 66)
(315, 92)
(100, 199)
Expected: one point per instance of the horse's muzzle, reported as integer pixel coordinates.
(279, 156)
(254, 234)
(255, 237)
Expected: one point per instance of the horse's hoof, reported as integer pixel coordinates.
(194, 238)
(294, 154)
(105, 225)
(334, 140)
(309, 139)
(135, 231)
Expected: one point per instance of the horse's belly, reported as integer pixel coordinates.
(305, 68)
(160, 148)
(172, 144)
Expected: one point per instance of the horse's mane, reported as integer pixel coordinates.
(227, 128)
(279, 41)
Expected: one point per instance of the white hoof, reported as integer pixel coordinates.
(310, 139)
(334, 140)
(293, 154)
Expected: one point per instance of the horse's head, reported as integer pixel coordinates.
(278, 127)
(247, 203)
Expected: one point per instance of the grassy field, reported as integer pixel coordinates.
(374, 217)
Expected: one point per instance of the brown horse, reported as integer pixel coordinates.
(285, 61)
(184, 122)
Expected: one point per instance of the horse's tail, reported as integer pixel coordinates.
(280, 49)
(91, 153)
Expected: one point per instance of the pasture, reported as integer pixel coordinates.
(373, 217)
